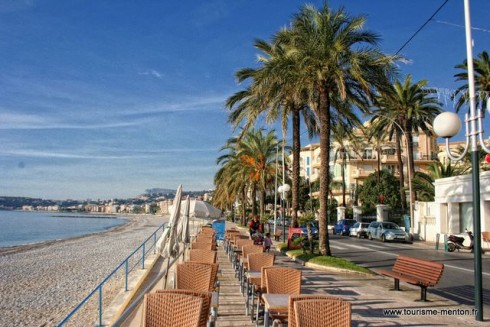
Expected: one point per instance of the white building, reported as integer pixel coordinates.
(452, 210)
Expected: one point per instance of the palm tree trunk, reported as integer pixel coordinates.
(244, 209)
(344, 164)
(411, 165)
(324, 117)
(296, 167)
(403, 198)
(254, 199)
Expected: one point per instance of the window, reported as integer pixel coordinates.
(465, 217)
(415, 141)
(308, 172)
(308, 162)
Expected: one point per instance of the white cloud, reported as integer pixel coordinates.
(152, 72)
(11, 121)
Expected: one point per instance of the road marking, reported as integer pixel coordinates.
(466, 269)
(395, 255)
(337, 247)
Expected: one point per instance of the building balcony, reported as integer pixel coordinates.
(361, 173)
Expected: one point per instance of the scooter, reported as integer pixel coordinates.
(457, 243)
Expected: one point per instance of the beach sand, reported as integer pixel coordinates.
(41, 283)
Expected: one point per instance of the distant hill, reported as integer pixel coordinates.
(157, 190)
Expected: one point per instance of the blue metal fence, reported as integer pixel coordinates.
(143, 249)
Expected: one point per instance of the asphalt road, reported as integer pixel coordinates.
(457, 281)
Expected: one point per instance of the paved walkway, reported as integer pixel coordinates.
(370, 297)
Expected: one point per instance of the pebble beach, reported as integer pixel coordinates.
(41, 283)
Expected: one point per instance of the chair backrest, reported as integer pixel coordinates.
(264, 270)
(204, 256)
(204, 239)
(169, 309)
(283, 280)
(239, 243)
(206, 304)
(248, 249)
(236, 237)
(196, 276)
(301, 297)
(332, 312)
(204, 246)
(258, 260)
(485, 236)
(207, 231)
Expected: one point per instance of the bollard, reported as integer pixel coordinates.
(437, 241)
(445, 243)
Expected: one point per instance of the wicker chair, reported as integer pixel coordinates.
(291, 318)
(237, 249)
(279, 280)
(204, 246)
(256, 261)
(333, 313)
(196, 276)
(206, 305)
(204, 256)
(168, 309)
(243, 259)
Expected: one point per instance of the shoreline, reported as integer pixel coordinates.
(43, 282)
(5, 250)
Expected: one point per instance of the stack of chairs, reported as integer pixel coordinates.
(194, 301)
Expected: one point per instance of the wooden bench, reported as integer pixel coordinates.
(278, 234)
(415, 271)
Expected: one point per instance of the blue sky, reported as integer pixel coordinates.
(104, 99)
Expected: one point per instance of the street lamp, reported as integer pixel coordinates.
(446, 125)
(283, 189)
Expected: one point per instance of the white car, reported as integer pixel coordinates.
(359, 230)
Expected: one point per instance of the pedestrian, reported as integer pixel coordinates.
(254, 225)
(267, 242)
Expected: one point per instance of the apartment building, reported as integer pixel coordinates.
(364, 161)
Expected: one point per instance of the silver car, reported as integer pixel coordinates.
(386, 231)
(359, 230)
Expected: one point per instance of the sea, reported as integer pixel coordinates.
(29, 227)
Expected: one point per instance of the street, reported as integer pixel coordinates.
(456, 282)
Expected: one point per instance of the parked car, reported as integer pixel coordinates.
(386, 231)
(359, 230)
(314, 229)
(343, 226)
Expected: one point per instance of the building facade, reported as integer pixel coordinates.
(364, 160)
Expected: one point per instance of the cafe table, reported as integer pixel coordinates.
(274, 303)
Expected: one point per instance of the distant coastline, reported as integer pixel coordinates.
(20, 230)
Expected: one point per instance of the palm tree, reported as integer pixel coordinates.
(481, 67)
(338, 63)
(407, 108)
(345, 139)
(249, 164)
(275, 91)
(423, 184)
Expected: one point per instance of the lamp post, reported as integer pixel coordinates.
(283, 189)
(448, 124)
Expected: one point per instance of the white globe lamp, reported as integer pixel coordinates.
(447, 124)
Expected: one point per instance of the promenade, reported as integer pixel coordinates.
(373, 302)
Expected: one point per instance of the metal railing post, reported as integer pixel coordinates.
(143, 258)
(100, 305)
(127, 273)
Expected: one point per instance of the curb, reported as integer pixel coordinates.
(326, 268)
